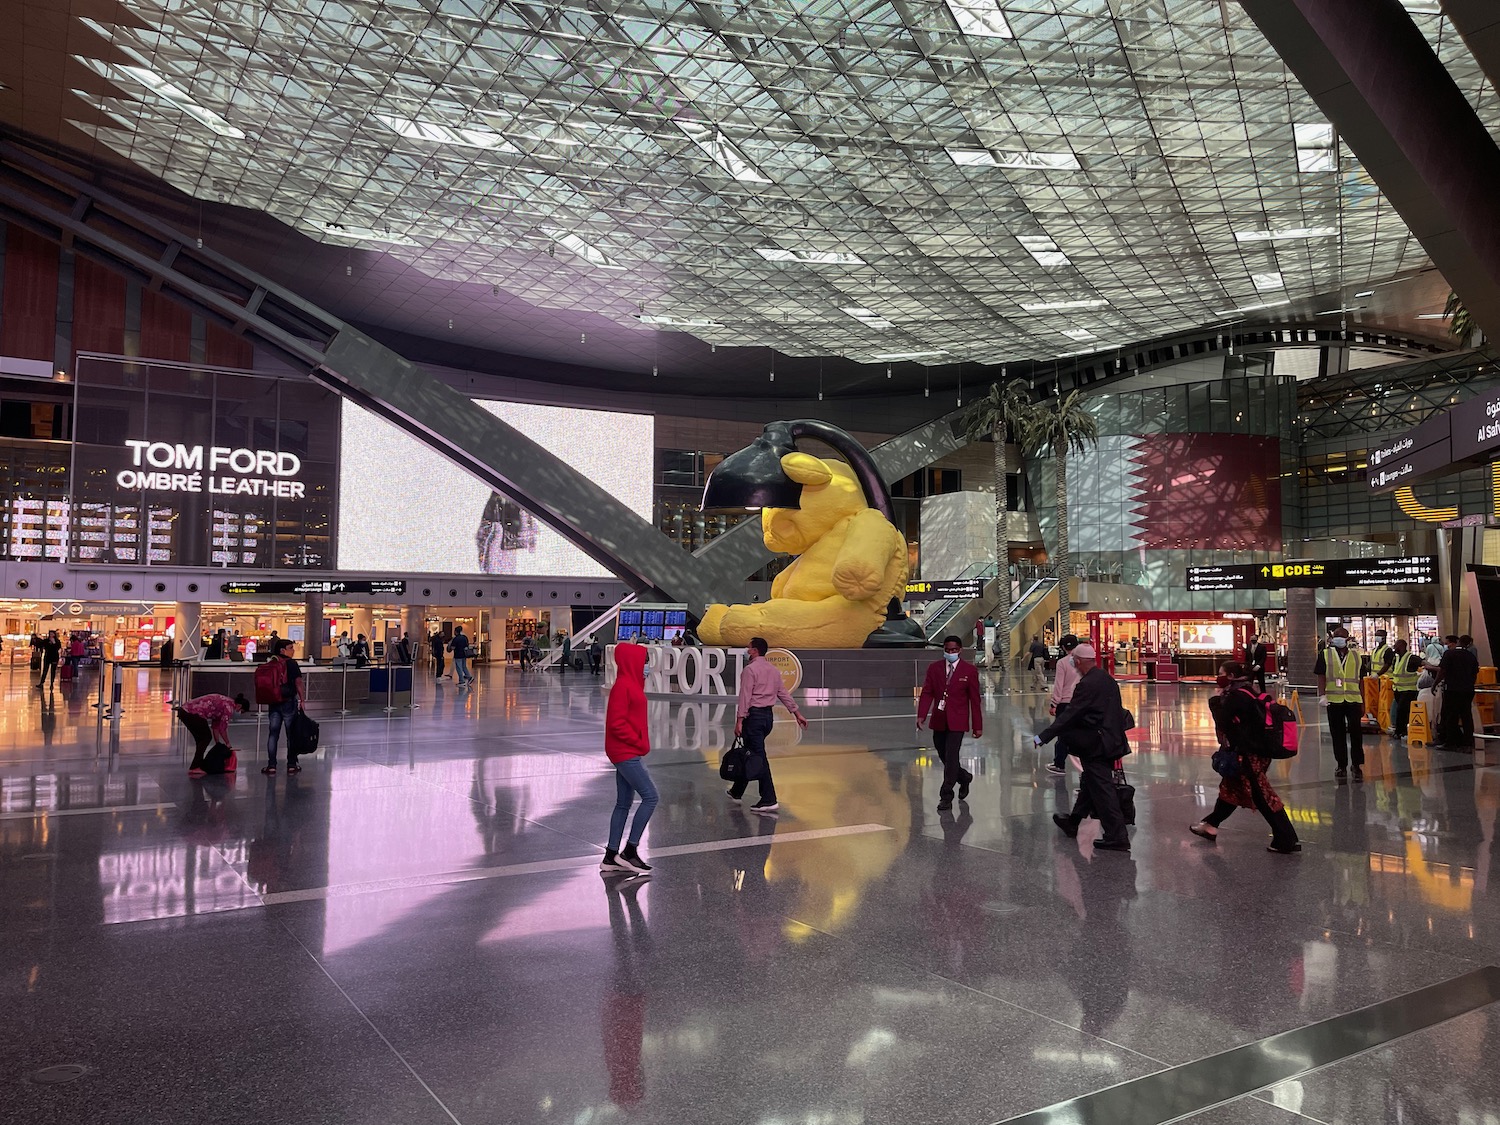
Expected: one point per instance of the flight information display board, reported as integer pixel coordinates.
(1326, 574)
(964, 589)
(319, 586)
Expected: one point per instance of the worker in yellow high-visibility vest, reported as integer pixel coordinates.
(1340, 691)
(1406, 668)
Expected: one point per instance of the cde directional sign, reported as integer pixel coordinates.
(1326, 574)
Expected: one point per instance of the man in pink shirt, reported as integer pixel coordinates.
(1066, 680)
(760, 688)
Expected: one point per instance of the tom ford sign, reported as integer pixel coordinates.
(222, 470)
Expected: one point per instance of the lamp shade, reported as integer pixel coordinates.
(753, 477)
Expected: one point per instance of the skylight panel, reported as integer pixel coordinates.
(980, 17)
(679, 321)
(181, 99)
(1284, 234)
(972, 158)
(1317, 148)
(366, 234)
(723, 153)
(893, 357)
(1251, 308)
(585, 250)
(1050, 161)
(868, 318)
(1044, 250)
(1054, 306)
(1079, 334)
(1265, 282)
(810, 257)
(445, 134)
(1043, 161)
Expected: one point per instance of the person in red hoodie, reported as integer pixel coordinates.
(627, 742)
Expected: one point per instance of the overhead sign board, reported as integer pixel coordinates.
(962, 589)
(1462, 435)
(319, 586)
(1475, 426)
(1326, 574)
(1412, 466)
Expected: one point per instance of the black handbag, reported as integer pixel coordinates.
(732, 764)
(1126, 792)
(302, 735)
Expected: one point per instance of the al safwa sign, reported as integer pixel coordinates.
(222, 470)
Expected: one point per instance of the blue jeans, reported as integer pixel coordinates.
(280, 715)
(631, 780)
(461, 669)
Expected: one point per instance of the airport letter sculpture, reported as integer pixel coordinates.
(851, 561)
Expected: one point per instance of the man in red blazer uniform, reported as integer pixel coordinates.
(950, 695)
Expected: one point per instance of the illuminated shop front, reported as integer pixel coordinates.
(1200, 640)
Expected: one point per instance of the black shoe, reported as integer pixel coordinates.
(1069, 829)
(612, 862)
(1340, 773)
(268, 769)
(945, 805)
(1359, 773)
(632, 860)
(1285, 849)
(764, 805)
(1112, 845)
(963, 788)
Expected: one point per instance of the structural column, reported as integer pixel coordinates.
(186, 635)
(1301, 637)
(363, 622)
(312, 648)
(414, 624)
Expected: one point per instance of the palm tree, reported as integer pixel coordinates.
(1064, 427)
(996, 415)
(1460, 322)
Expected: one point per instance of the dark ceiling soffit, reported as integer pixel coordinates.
(1478, 22)
(1390, 98)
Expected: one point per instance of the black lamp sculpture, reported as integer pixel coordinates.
(754, 479)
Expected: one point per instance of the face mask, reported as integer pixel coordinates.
(1222, 680)
(951, 657)
(1339, 642)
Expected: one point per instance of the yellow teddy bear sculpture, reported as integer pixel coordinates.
(851, 562)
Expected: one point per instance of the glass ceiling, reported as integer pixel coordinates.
(959, 179)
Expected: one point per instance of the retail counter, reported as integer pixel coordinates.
(328, 688)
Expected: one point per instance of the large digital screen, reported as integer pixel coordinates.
(1200, 637)
(405, 508)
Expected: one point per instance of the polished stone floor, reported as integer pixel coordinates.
(414, 929)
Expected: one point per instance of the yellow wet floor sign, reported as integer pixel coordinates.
(1418, 732)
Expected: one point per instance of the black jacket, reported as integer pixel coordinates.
(1096, 707)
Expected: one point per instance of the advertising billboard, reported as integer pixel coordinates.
(185, 465)
(1200, 637)
(406, 509)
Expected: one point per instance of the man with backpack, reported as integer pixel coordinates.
(280, 688)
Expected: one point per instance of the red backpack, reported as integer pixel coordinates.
(1279, 738)
(270, 682)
